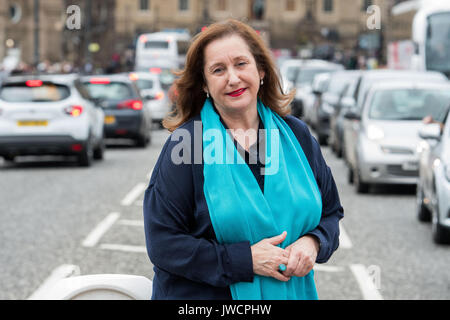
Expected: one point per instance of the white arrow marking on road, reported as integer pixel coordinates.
(95, 235)
(121, 247)
(62, 272)
(365, 282)
(344, 240)
(132, 223)
(328, 268)
(131, 197)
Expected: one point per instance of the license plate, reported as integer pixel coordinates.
(32, 123)
(410, 166)
(110, 119)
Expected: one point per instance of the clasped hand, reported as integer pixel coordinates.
(299, 257)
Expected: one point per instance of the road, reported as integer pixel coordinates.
(54, 213)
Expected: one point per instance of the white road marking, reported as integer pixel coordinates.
(319, 267)
(121, 247)
(92, 239)
(344, 240)
(132, 223)
(365, 282)
(131, 197)
(62, 272)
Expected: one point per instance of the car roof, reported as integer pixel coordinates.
(55, 78)
(386, 73)
(113, 77)
(409, 84)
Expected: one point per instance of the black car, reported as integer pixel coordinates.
(126, 112)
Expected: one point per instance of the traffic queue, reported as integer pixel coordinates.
(389, 126)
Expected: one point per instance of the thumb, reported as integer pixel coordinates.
(278, 239)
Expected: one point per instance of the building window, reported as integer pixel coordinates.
(327, 5)
(366, 4)
(144, 5)
(183, 5)
(221, 5)
(290, 5)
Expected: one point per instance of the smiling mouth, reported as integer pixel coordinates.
(237, 93)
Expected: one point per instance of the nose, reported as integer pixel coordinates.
(233, 77)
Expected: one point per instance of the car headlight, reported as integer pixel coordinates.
(327, 108)
(374, 132)
(447, 171)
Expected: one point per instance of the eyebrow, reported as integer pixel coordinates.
(220, 63)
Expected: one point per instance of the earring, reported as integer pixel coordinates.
(207, 94)
(262, 81)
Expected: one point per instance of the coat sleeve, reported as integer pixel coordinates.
(169, 217)
(327, 232)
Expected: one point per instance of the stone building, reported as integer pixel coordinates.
(112, 26)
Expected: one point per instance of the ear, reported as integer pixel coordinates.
(261, 74)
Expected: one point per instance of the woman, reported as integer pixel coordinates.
(214, 228)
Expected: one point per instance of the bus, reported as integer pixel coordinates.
(427, 44)
(165, 50)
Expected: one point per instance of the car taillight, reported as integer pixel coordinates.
(33, 83)
(155, 70)
(100, 81)
(159, 95)
(74, 111)
(130, 104)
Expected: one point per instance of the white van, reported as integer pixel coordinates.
(165, 50)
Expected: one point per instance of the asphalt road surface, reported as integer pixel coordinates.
(56, 215)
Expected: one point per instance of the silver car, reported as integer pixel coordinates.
(364, 83)
(155, 97)
(433, 187)
(386, 146)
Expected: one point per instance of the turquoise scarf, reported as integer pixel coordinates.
(241, 212)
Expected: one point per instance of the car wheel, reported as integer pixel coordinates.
(350, 178)
(86, 156)
(441, 234)
(9, 158)
(142, 141)
(323, 140)
(360, 187)
(100, 150)
(423, 214)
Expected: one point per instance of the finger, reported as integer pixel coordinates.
(279, 276)
(304, 267)
(278, 239)
(293, 262)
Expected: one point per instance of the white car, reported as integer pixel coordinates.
(155, 96)
(49, 115)
(386, 146)
(433, 188)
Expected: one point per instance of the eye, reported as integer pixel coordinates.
(217, 70)
(242, 63)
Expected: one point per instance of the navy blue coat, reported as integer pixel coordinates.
(188, 261)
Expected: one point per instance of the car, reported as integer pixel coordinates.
(151, 89)
(433, 187)
(385, 151)
(365, 81)
(346, 101)
(49, 115)
(319, 86)
(321, 113)
(127, 115)
(288, 73)
(303, 82)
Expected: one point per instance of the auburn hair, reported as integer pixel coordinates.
(190, 95)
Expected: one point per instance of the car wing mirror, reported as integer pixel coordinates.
(430, 131)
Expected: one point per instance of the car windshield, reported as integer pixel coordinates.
(291, 73)
(144, 84)
(109, 91)
(437, 42)
(38, 92)
(306, 76)
(409, 104)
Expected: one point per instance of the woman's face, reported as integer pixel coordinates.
(232, 77)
